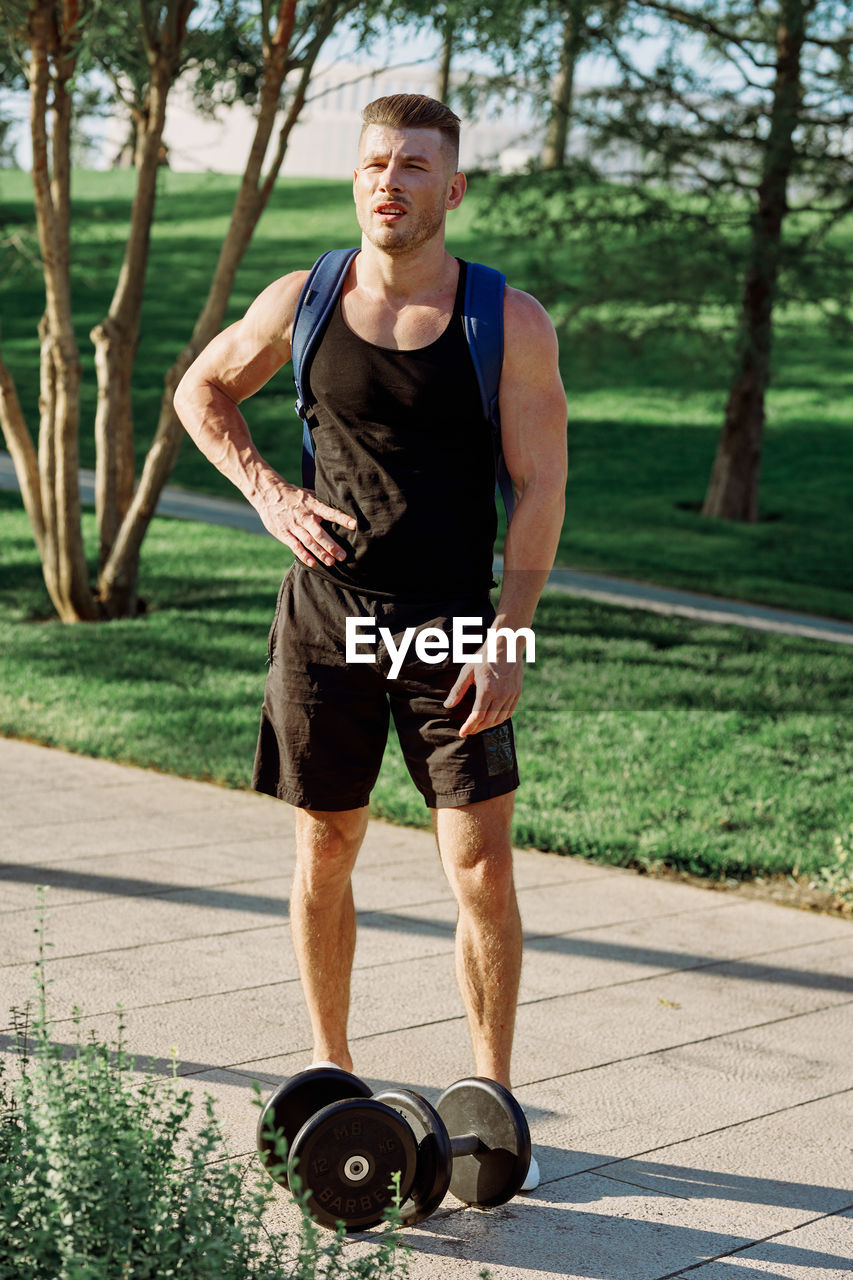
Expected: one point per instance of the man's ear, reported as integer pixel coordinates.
(457, 189)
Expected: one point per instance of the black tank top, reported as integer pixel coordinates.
(402, 444)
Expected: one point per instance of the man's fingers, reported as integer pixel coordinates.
(463, 682)
(487, 714)
(494, 701)
(332, 513)
(478, 722)
(318, 541)
(294, 516)
(477, 718)
(298, 549)
(304, 545)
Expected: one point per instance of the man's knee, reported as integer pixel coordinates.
(327, 844)
(476, 850)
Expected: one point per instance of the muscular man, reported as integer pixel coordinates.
(398, 529)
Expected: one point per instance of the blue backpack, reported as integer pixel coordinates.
(483, 318)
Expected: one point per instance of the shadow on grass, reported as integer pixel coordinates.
(714, 669)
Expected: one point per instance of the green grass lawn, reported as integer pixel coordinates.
(643, 740)
(643, 421)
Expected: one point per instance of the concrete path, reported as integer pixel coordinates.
(183, 505)
(685, 1057)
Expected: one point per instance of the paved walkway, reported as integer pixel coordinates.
(184, 505)
(685, 1057)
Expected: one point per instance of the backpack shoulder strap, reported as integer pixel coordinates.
(316, 302)
(484, 330)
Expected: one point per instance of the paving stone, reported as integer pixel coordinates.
(820, 1250)
(779, 1164)
(93, 927)
(147, 974)
(684, 1058)
(96, 879)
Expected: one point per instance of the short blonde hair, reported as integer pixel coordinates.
(415, 111)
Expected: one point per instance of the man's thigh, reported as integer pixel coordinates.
(324, 721)
(472, 834)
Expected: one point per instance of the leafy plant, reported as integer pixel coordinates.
(103, 1178)
(837, 877)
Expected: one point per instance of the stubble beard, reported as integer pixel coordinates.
(412, 233)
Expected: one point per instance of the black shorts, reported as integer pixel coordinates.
(325, 719)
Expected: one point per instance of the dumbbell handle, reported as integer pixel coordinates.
(467, 1144)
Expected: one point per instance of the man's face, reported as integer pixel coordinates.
(403, 186)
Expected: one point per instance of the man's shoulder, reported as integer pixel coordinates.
(285, 290)
(530, 340)
(524, 313)
(274, 309)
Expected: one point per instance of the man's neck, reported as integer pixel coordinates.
(417, 276)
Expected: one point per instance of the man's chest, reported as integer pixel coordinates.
(407, 328)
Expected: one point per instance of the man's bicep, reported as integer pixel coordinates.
(243, 357)
(532, 397)
(238, 364)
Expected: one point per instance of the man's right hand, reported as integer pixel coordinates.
(293, 515)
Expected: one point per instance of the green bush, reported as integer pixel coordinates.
(105, 1178)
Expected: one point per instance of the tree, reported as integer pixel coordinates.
(59, 39)
(572, 44)
(713, 175)
(534, 50)
(464, 29)
(761, 116)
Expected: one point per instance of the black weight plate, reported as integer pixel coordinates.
(346, 1155)
(435, 1161)
(295, 1101)
(495, 1173)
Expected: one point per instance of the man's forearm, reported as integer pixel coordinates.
(529, 551)
(219, 430)
(289, 512)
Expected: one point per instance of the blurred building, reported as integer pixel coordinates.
(323, 143)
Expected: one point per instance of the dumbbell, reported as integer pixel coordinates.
(348, 1145)
(486, 1160)
(345, 1146)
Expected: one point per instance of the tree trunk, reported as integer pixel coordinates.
(53, 42)
(734, 484)
(119, 576)
(555, 153)
(49, 482)
(116, 337)
(448, 33)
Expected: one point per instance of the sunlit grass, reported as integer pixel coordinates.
(642, 740)
(643, 419)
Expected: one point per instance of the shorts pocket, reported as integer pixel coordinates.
(271, 638)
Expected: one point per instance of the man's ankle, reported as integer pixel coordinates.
(322, 1058)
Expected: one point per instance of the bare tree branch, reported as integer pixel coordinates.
(700, 21)
(19, 442)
